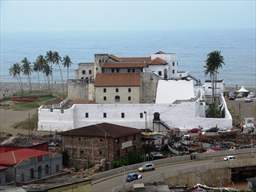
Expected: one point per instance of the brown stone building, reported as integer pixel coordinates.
(91, 144)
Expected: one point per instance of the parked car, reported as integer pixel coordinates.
(231, 96)
(229, 157)
(251, 95)
(194, 130)
(147, 167)
(133, 176)
(156, 155)
(248, 100)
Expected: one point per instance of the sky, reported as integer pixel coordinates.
(78, 15)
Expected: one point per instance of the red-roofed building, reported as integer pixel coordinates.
(117, 88)
(25, 165)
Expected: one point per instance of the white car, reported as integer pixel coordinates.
(147, 167)
(229, 157)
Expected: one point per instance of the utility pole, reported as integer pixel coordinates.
(146, 124)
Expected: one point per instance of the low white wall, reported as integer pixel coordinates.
(181, 116)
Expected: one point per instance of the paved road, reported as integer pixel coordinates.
(108, 184)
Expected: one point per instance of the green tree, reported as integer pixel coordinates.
(27, 70)
(57, 60)
(214, 62)
(50, 61)
(67, 63)
(48, 72)
(15, 71)
(39, 66)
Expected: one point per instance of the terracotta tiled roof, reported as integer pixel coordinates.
(14, 157)
(135, 59)
(102, 130)
(124, 65)
(117, 80)
(158, 61)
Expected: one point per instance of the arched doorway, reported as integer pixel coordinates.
(39, 170)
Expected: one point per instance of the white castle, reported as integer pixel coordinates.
(140, 92)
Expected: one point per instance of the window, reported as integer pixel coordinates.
(117, 70)
(32, 174)
(141, 115)
(86, 115)
(104, 115)
(128, 70)
(81, 153)
(160, 73)
(133, 70)
(117, 90)
(117, 98)
(129, 90)
(104, 98)
(104, 90)
(46, 169)
(83, 72)
(90, 72)
(112, 70)
(173, 71)
(173, 63)
(40, 158)
(101, 139)
(100, 152)
(57, 168)
(122, 115)
(129, 98)
(82, 77)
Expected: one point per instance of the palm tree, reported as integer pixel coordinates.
(27, 70)
(50, 60)
(48, 72)
(38, 67)
(67, 63)
(15, 71)
(56, 60)
(214, 61)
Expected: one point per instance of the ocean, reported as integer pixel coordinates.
(191, 47)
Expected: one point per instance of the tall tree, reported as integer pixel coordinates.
(214, 62)
(15, 71)
(38, 67)
(67, 63)
(47, 71)
(27, 70)
(50, 60)
(57, 60)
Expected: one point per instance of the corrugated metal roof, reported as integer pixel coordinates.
(14, 157)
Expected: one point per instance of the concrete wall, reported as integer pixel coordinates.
(148, 87)
(123, 93)
(181, 116)
(170, 58)
(122, 70)
(22, 171)
(78, 89)
(3, 177)
(85, 71)
(84, 150)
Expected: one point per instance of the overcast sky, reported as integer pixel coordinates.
(75, 15)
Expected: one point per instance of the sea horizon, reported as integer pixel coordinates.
(191, 48)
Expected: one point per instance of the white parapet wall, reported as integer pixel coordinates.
(182, 115)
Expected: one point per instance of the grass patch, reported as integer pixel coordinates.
(35, 104)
